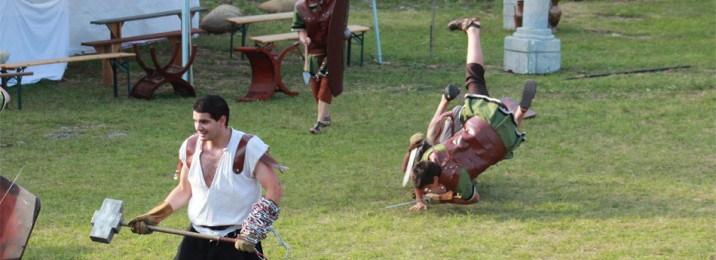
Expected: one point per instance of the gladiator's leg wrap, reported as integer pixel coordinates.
(258, 223)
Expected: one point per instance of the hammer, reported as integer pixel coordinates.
(108, 220)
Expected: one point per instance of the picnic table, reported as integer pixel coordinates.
(115, 24)
(115, 29)
(242, 24)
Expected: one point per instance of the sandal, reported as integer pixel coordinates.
(528, 93)
(464, 24)
(316, 129)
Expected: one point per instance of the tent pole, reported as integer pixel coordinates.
(377, 32)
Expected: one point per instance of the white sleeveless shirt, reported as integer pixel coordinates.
(229, 199)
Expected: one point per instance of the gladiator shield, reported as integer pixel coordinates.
(18, 212)
(336, 46)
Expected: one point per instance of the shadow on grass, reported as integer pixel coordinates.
(504, 198)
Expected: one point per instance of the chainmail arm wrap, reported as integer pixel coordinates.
(263, 213)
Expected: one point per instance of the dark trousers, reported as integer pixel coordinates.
(475, 79)
(197, 248)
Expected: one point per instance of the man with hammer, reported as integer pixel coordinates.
(321, 25)
(464, 142)
(222, 174)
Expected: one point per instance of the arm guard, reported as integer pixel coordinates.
(257, 224)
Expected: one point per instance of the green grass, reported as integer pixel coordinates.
(613, 167)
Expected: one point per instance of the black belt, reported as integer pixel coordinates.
(217, 227)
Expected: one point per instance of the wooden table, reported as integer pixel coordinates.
(115, 24)
(115, 31)
(242, 24)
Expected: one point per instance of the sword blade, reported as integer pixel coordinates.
(400, 204)
(11, 184)
(409, 168)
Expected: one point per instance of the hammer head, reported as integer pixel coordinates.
(107, 221)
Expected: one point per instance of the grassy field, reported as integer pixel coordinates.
(613, 167)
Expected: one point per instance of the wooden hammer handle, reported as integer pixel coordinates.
(305, 59)
(188, 234)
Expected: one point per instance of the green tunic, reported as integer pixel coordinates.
(492, 111)
(465, 186)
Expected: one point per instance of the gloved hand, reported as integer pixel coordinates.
(151, 218)
(450, 92)
(244, 243)
(416, 140)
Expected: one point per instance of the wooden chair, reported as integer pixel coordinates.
(170, 73)
(115, 45)
(265, 71)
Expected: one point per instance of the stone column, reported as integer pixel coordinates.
(508, 14)
(532, 49)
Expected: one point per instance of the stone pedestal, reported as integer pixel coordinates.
(532, 49)
(508, 14)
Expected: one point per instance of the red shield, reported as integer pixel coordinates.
(336, 46)
(18, 211)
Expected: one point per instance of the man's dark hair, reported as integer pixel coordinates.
(423, 173)
(214, 105)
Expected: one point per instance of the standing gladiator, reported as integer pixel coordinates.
(228, 185)
(311, 20)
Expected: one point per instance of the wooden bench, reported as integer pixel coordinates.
(357, 36)
(115, 45)
(117, 60)
(242, 23)
(18, 78)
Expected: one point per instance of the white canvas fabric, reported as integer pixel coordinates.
(85, 11)
(47, 29)
(35, 30)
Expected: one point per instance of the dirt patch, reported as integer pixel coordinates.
(80, 130)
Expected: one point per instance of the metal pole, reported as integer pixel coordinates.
(377, 32)
(432, 34)
(185, 41)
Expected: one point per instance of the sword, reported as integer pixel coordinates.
(12, 184)
(404, 203)
(409, 167)
(400, 204)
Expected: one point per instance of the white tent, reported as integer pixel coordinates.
(46, 29)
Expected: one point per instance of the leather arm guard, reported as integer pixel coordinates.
(257, 224)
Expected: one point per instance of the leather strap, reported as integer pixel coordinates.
(240, 156)
(267, 159)
(216, 228)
